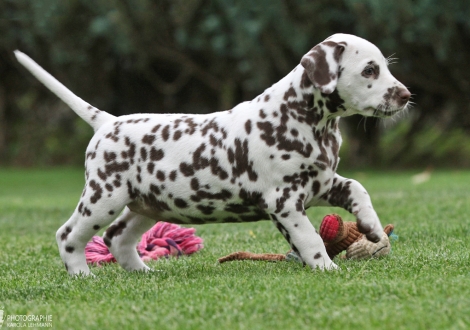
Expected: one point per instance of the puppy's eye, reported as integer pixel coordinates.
(369, 71)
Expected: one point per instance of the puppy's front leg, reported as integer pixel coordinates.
(352, 196)
(304, 240)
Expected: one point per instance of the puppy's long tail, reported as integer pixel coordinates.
(94, 117)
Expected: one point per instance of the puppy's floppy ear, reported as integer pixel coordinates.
(321, 64)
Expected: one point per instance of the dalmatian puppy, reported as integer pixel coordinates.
(270, 158)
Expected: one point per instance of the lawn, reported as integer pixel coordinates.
(423, 284)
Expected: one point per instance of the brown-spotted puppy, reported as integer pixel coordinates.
(269, 158)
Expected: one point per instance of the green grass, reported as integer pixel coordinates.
(423, 284)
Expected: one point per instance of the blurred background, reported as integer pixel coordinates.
(199, 56)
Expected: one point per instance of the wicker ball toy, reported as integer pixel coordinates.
(340, 236)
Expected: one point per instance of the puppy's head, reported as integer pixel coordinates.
(358, 72)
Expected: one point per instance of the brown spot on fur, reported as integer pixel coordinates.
(150, 167)
(290, 93)
(248, 126)
(186, 169)
(241, 162)
(148, 139)
(66, 233)
(161, 175)
(166, 133)
(177, 135)
(115, 230)
(98, 191)
(212, 125)
(191, 125)
(116, 167)
(268, 132)
(109, 156)
(206, 209)
(195, 184)
(91, 155)
(156, 154)
(316, 187)
(181, 203)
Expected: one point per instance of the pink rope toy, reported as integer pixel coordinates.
(162, 240)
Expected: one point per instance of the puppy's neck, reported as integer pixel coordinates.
(295, 97)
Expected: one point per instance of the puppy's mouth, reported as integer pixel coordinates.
(384, 111)
(394, 101)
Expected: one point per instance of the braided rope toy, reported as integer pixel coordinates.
(162, 240)
(338, 236)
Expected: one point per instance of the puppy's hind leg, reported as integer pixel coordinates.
(122, 236)
(91, 214)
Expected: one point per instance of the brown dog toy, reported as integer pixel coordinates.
(338, 236)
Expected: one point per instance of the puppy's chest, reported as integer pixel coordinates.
(325, 161)
(326, 150)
